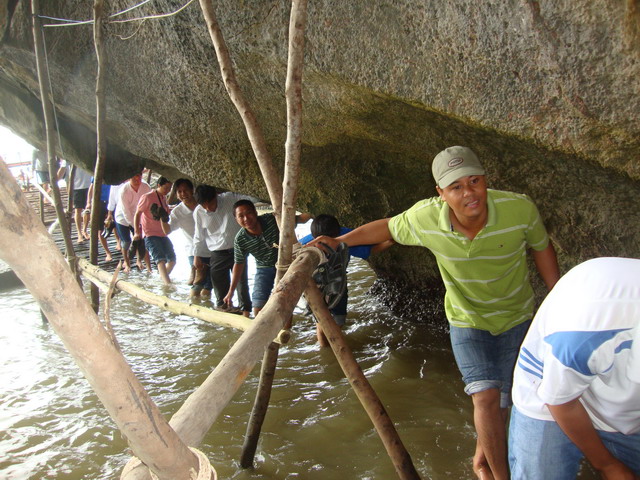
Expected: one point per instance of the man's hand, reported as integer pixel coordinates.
(617, 471)
(228, 300)
(136, 237)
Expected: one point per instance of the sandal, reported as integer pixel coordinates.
(331, 276)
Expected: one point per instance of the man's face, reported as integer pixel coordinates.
(165, 188)
(211, 205)
(467, 197)
(136, 180)
(247, 217)
(184, 193)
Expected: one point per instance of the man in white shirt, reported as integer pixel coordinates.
(181, 218)
(215, 231)
(576, 388)
(130, 193)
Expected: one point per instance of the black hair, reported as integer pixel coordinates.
(162, 181)
(205, 193)
(182, 181)
(325, 224)
(246, 203)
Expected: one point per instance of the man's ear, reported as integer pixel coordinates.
(439, 190)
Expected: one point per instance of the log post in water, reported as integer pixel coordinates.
(47, 276)
(47, 109)
(293, 95)
(361, 386)
(101, 142)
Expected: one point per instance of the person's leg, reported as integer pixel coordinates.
(477, 357)
(86, 218)
(170, 255)
(539, 450)
(339, 313)
(77, 217)
(262, 287)
(125, 236)
(105, 245)
(242, 290)
(220, 265)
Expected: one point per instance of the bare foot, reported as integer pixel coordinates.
(139, 265)
(108, 257)
(86, 236)
(80, 239)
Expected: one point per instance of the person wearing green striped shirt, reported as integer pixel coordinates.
(259, 237)
(480, 238)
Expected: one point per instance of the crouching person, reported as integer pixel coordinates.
(576, 387)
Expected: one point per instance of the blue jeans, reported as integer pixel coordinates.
(540, 450)
(160, 249)
(487, 361)
(262, 285)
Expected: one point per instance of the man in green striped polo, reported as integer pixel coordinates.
(259, 237)
(480, 239)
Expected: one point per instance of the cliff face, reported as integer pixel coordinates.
(546, 93)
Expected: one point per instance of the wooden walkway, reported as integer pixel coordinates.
(81, 249)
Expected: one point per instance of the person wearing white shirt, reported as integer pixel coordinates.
(215, 231)
(181, 218)
(130, 193)
(576, 386)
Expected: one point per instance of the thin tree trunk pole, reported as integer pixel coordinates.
(361, 386)
(293, 94)
(101, 143)
(195, 417)
(254, 132)
(45, 273)
(47, 110)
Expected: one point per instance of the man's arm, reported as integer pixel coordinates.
(236, 274)
(547, 265)
(574, 421)
(370, 233)
(136, 225)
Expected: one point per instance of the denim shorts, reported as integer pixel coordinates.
(539, 449)
(160, 249)
(487, 361)
(262, 286)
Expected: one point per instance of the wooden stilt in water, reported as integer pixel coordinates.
(101, 143)
(293, 95)
(47, 109)
(361, 386)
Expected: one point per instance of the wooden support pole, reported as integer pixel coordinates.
(47, 109)
(361, 386)
(46, 274)
(293, 95)
(194, 419)
(101, 142)
(254, 132)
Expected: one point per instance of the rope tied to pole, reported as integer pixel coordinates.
(205, 469)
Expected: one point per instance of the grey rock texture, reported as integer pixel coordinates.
(547, 94)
